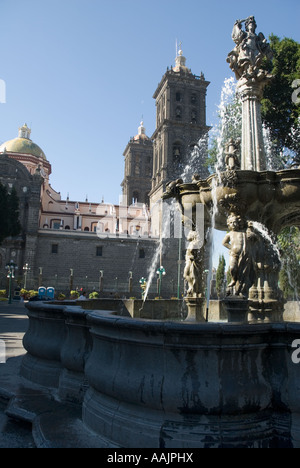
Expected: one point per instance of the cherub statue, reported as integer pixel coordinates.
(238, 242)
(193, 272)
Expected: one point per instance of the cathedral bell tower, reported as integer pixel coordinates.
(138, 156)
(180, 124)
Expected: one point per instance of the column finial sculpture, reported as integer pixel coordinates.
(246, 62)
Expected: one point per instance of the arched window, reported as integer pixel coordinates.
(178, 113)
(194, 99)
(193, 116)
(177, 150)
(178, 159)
(136, 196)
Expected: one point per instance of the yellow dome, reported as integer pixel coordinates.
(23, 145)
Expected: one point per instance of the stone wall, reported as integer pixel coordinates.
(87, 255)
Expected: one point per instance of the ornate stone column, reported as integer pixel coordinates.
(253, 156)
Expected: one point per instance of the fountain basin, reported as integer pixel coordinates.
(270, 198)
(43, 343)
(167, 385)
(75, 350)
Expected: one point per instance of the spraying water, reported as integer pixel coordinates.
(164, 232)
(229, 112)
(196, 160)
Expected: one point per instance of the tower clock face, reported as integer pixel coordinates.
(25, 189)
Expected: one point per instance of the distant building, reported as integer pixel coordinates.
(138, 156)
(100, 246)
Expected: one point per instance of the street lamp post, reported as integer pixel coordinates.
(130, 281)
(143, 283)
(101, 280)
(71, 282)
(11, 269)
(161, 272)
(26, 269)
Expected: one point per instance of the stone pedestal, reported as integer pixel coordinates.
(196, 309)
(266, 311)
(237, 309)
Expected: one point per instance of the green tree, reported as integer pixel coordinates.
(279, 113)
(289, 279)
(220, 276)
(9, 213)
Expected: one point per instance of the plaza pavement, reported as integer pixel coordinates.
(29, 416)
(13, 325)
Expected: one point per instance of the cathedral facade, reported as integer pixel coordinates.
(102, 247)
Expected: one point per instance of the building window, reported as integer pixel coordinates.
(178, 96)
(193, 116)
(194, 99)
(55, 223)
(54, 248)
(177, 152)
(178, 113)
(97, 227)
(99, 251)
(136, 197)
(142, 253)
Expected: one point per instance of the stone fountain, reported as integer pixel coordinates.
(136, 383)
(252, 203)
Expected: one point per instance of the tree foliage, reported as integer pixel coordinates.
(9, 213)
(279, 113)
(289, 244)
(220, 276)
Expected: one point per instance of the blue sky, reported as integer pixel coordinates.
(81, 73)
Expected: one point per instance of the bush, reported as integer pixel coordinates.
(32, 293)
(74, 294)
(61, 297)
(94, 295)
(2, 292)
